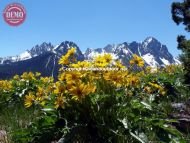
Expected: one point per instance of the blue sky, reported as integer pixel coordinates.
(89, 23)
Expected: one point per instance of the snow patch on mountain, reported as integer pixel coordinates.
(25, 55)
(166, 62)
(54, 49)
(93, 54)
(150, 59)
(147, 41)
(177, 62)
(125, 51)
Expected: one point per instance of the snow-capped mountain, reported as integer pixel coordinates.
(41, 58)
(44, 58)
(151, 50)
(28, 54)
(43, 49)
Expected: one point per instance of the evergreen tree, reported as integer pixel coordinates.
(181, 14)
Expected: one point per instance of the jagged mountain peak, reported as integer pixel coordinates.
(150, 42)
(41, 58)
(40, 49)
(62, 49)
(109, 48)
(151, 50)
(150, 39)
(66, 45)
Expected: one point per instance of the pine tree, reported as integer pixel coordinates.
(181, 14)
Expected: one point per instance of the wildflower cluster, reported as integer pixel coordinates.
(116, 103)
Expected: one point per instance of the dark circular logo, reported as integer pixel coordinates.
(14, 14)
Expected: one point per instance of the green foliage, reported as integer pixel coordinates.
(181, 14)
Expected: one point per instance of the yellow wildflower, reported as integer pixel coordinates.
(137, 61)
(148, 69)
(29, 99)
(159, 88)
(132, 80)
(115, 77)
(61, 76)
(147, 89)
(5, 85)
(64, 60)
(46, 79)
(100, 61)
(170, 69)
(81, 90)
(50, 88)
(118, 64)
(81, 64)
(72, 76)
(37, 74)
(71, 51)
(59, 88)
(154, 85)
(16, 77)
(40, 95)
(59, 102)
(107, 58)
(28, 76)
(69, 56)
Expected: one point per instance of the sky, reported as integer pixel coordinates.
(89, 23)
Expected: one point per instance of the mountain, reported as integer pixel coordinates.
(44, 58)
(41, 58)
(151, 50)
(28, 54)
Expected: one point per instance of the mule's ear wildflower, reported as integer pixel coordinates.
(69, 56)
(64, 60)
(107, 58)
(73, 76)
(5, 85)
(147, 89)
(46, 80)
(40, 95)
(132, 80)
(148, 69)
(102, 60)
(59, 88)
(137, 61)
(114, 77)
(29, 99)
(158, 88)
(81, 64)
(71, 51)
(16, 77)
(59, 102)
(80, 90)
(28, 76)
(37, 74)
(118, 64)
